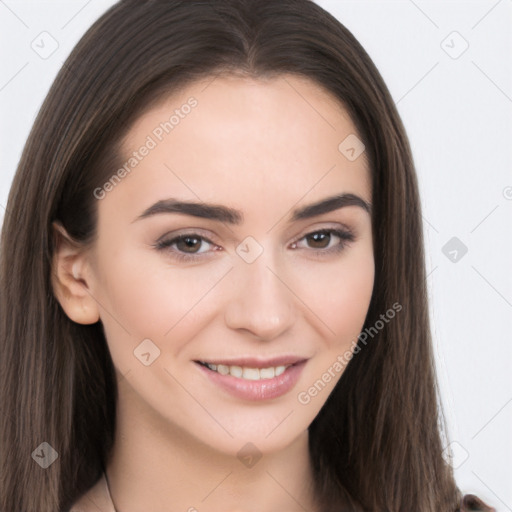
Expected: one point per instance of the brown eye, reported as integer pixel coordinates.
(187, 247)
(319, 240)
(189, 244)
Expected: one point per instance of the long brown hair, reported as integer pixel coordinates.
(376, 444)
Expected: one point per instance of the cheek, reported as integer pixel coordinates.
(341, 297)
(353, 290)
(147, 297)
(339, 294)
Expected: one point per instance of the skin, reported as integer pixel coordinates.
(264, 147)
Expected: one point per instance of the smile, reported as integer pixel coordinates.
(244, 372)
(252, 379)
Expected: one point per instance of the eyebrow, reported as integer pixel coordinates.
(231, 216)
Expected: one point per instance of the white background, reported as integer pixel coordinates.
(457, 109)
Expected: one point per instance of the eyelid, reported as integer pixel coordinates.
(171, 235)
(210, 237)
(326, 226)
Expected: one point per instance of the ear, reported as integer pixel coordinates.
(70, 270)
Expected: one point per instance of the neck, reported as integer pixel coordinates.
(155, 465)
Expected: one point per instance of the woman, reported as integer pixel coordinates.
(213, 261)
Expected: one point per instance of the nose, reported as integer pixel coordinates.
(261, 303)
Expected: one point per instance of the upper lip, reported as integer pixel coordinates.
(256, 362)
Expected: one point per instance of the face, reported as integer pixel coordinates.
(224, 315)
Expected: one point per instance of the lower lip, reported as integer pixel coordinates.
(263, 389)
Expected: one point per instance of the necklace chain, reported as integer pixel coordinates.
(108, 492)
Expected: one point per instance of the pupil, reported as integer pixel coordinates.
(190, 242)
(320, 238)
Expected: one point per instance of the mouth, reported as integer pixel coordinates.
(246, 372)
(254, 379)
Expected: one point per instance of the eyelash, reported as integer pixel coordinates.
(345, 238)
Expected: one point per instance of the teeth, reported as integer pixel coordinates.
(279, 370)
(236, 371)
(248, 373)
(251, 374)
(267, 373)
(222, 369)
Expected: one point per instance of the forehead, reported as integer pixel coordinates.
(228, 137)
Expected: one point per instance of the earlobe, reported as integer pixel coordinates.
(69, 277)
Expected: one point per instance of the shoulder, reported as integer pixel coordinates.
(471, 503)
(96, 498)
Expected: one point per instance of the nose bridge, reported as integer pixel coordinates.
(260, 301)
